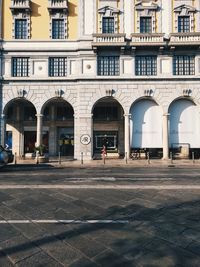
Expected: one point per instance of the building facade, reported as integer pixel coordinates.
(78, 74)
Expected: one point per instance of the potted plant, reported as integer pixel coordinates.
(41, 155)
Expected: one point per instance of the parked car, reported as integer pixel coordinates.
(6, 155)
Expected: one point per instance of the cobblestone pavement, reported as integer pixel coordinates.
(76, 226)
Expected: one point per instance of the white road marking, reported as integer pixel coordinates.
(64, 221)
(117, 187)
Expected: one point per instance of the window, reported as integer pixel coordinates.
(57, 67)
(20, 28)
(20, 67)
(184, 24)
(58, 29)
(29, 113)
(64, 112)
(145, 24)
(108, 25)
(107, 113)
(108, 65)
(183, 65)
(146, 65)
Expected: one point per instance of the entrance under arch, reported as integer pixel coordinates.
(146, 129)
(184, 128)
(58, 119)
(20, 116)
(108, 128)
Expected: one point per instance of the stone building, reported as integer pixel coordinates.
(78, 74)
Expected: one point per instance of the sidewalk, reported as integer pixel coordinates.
(111, 162)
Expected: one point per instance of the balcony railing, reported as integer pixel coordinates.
(189, 38)
(108, 39)
(58, 5)
(147, 39)
(20, 5)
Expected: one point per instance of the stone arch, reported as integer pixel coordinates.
(146, 124)
(98, 97)
(184, 126)
(20, 125)
(58, 120)
(108, 127)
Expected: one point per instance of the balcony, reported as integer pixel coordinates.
(108, 39)
(58, 6)
(20, 5)
(147, 39)
(188, 38)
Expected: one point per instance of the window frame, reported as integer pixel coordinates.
(21, 31)
(183, 65)
(143, 63)
(109, 26)
(146, 28)
(20, 66)
(57, 66)
(184, 26)
(108, 65)
(58, 31)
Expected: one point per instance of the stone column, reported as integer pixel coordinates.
(166, 136)
(3, 129)
(127, 134)
(83, 136)
(39, 129)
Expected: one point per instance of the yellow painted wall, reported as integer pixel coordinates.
(73, 20)
(7, 21)
(40, 20)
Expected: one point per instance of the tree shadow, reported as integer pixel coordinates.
(166, 235)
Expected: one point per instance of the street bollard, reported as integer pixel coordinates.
(81, 158)
(59, 158)
(15, 162)
(171, 157)
(126, 158)
(148, 158)
(193, 158)
(37, 155)
(104, 158)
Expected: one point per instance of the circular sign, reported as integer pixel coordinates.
(85, 139)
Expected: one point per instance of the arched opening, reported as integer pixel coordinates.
(184, 128)
(20, 120)
(146, 129)
(108, 128)
(58, 122)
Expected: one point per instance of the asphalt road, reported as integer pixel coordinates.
(105, 216)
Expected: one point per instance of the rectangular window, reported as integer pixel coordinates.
(57, 66)
(145, 24)
(108, 65)
(108, 25)
(58, 29)
(183, 65)
(20, 28)
(20, 67)
(184, 24)
(145, 65)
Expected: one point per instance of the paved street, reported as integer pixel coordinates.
(100, 216)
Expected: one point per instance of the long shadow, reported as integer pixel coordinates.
(152, 236)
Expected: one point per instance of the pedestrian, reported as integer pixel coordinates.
(104, 151)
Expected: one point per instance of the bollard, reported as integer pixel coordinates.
(59, 158)
(126, 158)
(193, 158)
(81, 158)
(171, 157)
(37, 160)
(15, 162)
(104, 158)
(148, 158)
